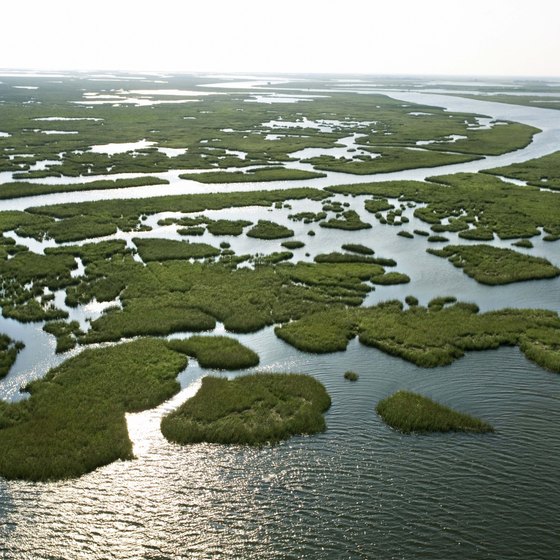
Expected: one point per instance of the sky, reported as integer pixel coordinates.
(430, 37)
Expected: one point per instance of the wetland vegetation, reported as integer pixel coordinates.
(409, 413)
(74, 420)
(492, 265)
(250, 410)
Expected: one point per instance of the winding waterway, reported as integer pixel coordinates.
(360, 490)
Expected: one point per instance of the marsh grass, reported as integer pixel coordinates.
(74, 420)
(256, 175)
(351, 376)
(265, 229)
(293, 244)
(250, 410)
(218, 352)
(492, 265)
(409, 412)
(358, 248)
(160, 250)
(21, 189)
(9, 350)
(348, 220)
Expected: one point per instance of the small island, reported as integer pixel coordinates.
(251, 410)
(410, 412)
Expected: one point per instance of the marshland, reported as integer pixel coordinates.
(151, 293)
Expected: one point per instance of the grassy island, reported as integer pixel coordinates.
(220, 352)
(8, 353)
(492, 265)
(252, 409)
(74, 420)
(255, 175)
(412, 413)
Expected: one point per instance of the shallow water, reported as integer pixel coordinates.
(360, 490)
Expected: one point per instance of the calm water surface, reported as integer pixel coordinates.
(360, 490)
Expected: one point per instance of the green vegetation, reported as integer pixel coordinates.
(429, 336)
(308, 217)
(411, 300)
(358, 248)
(227, 227)
(349, 220)
(9, 350)
(74, 420)
(351, 376)
(437, 239)
(154, 249)
(218, 352)
(293, 244)
(492, 265)
(265, 229)
(21, 189)
(392, 159)
(404, 233)
(195, 230)
(376, 205)
(412, 413)
(252, 175)
(508, 210)
(524, 243)
(66, 334)
(251, 410)
(540, 172)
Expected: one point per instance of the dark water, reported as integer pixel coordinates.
(360, 490)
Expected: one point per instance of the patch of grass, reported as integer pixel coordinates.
(540, 172)
(492, 265)
(351, 376)
(217, 352)
(227, 227)
(21, 189)
(404, 233)
(392, 159)
(153, 249)
(195, 230)
(265, 229)
(308, 217)
(358, 248)
(412, 413)
(320, 333)
(9, 350)
(376, 205)
(253, 175)
(411, 300)
(348, 220)
(293, 244)
(524, 243)
(66, 334)
(74, 421)
(249, 410)
(437, 239)
(510, 211)
(429, 336)
(391, 278)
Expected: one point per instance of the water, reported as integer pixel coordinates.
(358, 491)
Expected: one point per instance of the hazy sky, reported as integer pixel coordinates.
(472, 37)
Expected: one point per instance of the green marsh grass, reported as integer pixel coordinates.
(492, 265)
(409, 413)
(250, 410)
(74, 421)
(217, 352)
